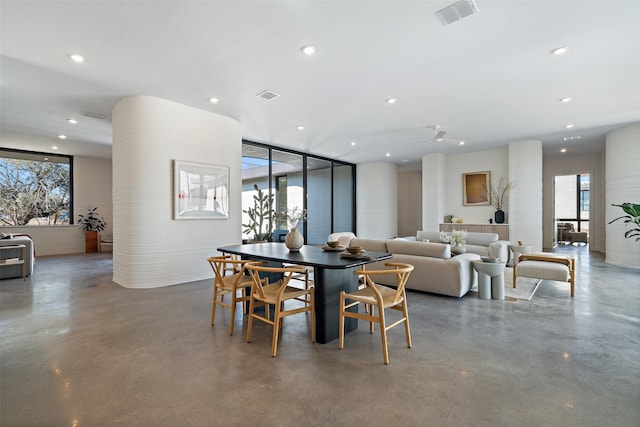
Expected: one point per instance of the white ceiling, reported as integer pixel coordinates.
(488, 79)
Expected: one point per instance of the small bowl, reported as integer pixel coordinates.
(489, 259)
(354, 249)
(333, 244)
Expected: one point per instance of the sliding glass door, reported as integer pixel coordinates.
(324, 187)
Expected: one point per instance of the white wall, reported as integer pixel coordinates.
(91, 188)
(525, 199)
(151, 249)
(377, 200)
(409, 202)
(623, 185)
(494, 161)
(433, 190)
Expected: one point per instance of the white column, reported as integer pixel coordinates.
(377, 200)
(622, 185)
(525, 199)
(150, 248)
(433, 191)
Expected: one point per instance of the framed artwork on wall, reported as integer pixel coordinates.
(475, 188)
(200, 191)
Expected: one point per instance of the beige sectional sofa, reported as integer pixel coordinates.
(435, 270)
(483, 244)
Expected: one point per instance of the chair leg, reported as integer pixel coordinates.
(276, 330)
(250, 324)
(213, 305)
(232, 320)
(407, 329)
(371, 313)
(383, 335)
(341, 326)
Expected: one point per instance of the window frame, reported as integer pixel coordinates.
(46, 154)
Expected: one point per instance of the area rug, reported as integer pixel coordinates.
(527, 287)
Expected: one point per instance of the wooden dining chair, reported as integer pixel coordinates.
(277, 293)
(229, 278)
(374, 296)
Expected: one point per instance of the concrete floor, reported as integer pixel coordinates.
(79, 350)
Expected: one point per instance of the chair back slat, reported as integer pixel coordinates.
(259, 283)
(399, 269)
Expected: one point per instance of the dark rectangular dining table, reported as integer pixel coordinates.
(331, 274)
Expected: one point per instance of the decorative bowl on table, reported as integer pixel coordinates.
(334, 244)
(354, 249)
(489, 259)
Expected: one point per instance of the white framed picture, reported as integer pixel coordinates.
(201, 191)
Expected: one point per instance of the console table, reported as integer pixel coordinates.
(502, 230)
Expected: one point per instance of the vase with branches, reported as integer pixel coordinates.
(294, 239)
(499, 196)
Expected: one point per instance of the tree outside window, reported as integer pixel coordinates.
(35, 188)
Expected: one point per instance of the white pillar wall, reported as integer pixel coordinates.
(622, 185)
(151, 249)
(377, 200)
(434, 199)
(525, 199)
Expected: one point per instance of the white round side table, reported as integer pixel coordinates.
(490, 279)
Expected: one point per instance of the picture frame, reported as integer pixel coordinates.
(200, 191)
(476, 188)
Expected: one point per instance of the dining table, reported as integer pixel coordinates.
(333, 272)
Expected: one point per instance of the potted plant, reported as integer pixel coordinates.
(261, 216)
(91, 224)
(499, 196)
(632, 216)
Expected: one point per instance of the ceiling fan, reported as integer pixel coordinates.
(439, 136)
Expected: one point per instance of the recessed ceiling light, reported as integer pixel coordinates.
(564, 150)
(461, 143)
(214, 100)
(388, 154)
(391, 100)
(72, 121)
(353, 143)
(565, 100)
(62, 136)
(308, 49)
(76, 58)
(300, 127)
(560, 50)
(569, 126)
(54, 147)
(571, 138)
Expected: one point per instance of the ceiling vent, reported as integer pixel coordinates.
(93, 115)
(457, 11)
(267, 95)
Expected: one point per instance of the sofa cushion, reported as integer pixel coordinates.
(370, 244)
(431, 236)
(434, 250)
(481, 239)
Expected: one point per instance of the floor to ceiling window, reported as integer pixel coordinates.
(324, 187)
(572, 201)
